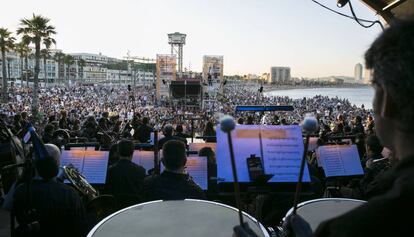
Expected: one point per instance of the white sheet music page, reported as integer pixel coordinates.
(340, 160)
(95, 166)
(144, 159)
(197, 168)
(74, 157)
(282, 153)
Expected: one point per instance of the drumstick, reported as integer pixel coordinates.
(227, 124)
(310, 125)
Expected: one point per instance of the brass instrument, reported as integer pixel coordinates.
(80, 183)
(101, 205)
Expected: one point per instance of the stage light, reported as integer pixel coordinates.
(341, 3)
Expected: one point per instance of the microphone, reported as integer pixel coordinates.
(227, 125)
(309, 126)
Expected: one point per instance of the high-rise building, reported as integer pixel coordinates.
(367, 76)
(358, 73)
(280, 75)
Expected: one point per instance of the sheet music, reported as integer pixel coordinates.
(198, 146)
(95, 166)
(340, 160)
(283, 150)
(74, 157)
(90, 163)
(245, 143)
(144, 159)
(196, 167)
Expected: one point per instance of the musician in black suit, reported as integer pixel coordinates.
(143, 133)
(174, 183)
(391, 57)
(125, 177)
(58, 207)
(168, 133)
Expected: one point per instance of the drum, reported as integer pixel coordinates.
(319, 210)
(184, 218)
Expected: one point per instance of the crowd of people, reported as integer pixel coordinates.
(121, 116)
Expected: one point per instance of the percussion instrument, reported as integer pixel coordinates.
(183, 218)
(319, 210)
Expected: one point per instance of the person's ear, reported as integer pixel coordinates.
(388, 106)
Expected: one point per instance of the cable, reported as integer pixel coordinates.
(359, 22)
(353, 17)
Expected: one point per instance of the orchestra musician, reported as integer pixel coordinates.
(391, 57)
(174, 183)
(58, 209)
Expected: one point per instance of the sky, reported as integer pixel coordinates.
(252, 35)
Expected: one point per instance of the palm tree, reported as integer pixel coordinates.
(59, 57)
(81, 64)
(45, 54)
(23, 50)
(69, 60)
(6, 44)
(37, 31)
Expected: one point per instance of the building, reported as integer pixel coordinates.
(16, 67)
(358, 73)
(96, 68)
(280, 75)
(367, 76)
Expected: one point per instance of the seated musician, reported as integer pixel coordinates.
(174, 183)
(143, 133)
(58, 207)
(391, 57)
(125, 177)
(168, 133)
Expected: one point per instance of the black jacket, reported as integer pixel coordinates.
(171, 186)
(125, 177)
(59, 208)
(386, 215)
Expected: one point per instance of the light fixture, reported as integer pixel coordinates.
(341, 3)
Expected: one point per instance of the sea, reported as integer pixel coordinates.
(358, 96)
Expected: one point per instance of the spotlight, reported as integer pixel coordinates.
(341, 3)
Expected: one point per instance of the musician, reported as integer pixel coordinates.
(179, 132)
(168, 135)
(124, 176)
(391, 57)
(58, 207)
(143, 133)
(174, 183)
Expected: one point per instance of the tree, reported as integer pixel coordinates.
(59, 57)
(68, 60)
(45, 54)
(6, 44)
(37, 31)
(81, 64)
(23, 50)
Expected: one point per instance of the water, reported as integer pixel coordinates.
(357, 96)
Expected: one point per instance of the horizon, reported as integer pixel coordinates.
(252, 44)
